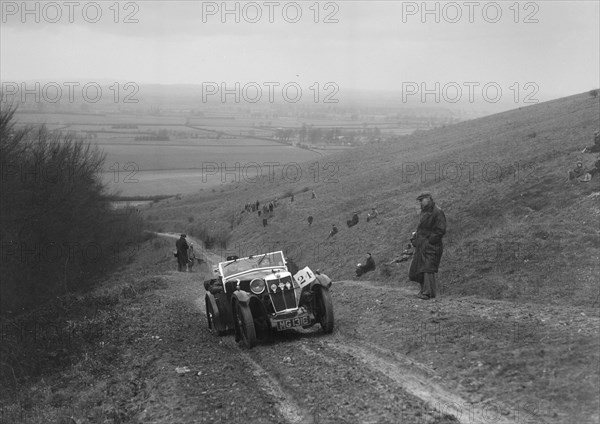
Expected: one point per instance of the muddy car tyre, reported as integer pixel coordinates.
(245, 324)
(325, 308)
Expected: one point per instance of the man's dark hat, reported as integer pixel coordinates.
(183, 235)
(424, 195)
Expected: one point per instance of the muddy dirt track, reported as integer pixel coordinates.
(392, 358)
(302, 377)
(143, 354)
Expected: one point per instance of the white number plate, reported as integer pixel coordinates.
(304, 276)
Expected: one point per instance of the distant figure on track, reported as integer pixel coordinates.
(182, 253)
(191, 257)
(310, 220)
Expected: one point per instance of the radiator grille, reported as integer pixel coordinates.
(282, 297)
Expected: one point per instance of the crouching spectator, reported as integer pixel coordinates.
(372, 215)
(369, 265)
(352, 222)
(333, 232)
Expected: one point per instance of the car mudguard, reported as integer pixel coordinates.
(218, 321)
(321, 280)
(242, 297)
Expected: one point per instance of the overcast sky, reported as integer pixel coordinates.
(373, 45)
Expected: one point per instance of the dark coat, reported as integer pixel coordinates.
(428, 243)
(353, 221)
(182, 250)
(368, 266)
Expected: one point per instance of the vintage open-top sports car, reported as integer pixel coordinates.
(258, 295)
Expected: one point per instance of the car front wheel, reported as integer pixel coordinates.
(245, 325)
(325, 310)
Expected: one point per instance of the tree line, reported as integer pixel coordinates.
(58, 229)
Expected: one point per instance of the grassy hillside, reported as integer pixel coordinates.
(517, 228)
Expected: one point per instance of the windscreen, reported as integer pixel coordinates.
(268, 260)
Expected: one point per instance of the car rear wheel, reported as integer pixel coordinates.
(245, 325)
(325, 308)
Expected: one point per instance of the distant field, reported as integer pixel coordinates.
(106, 139)
(166, 169)
(144, 166)
(165, 157)
(97, 119)
(139, 128)
(148, 183)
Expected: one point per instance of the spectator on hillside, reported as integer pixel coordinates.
(265, 222)
(406, 254)
(577, 172)
(333, 231)
(581, 174)
(352, 222)
(292, 198)
(369, 265)
(310, 220)
(428, 246)
(312, 194)
(182, 252)
(372, 215)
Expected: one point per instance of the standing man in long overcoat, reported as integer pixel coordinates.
(182, 253)
(428, 246)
